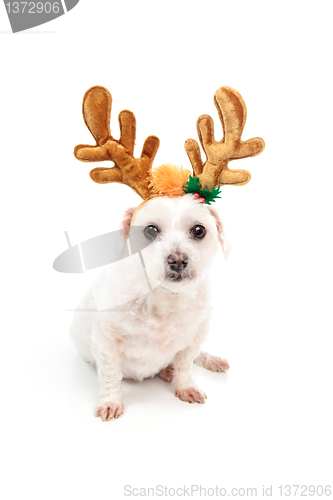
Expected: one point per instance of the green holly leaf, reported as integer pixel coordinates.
(211, 196)
(193, 186)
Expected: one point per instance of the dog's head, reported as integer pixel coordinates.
(184, 235)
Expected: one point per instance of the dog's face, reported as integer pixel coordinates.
(184, 235)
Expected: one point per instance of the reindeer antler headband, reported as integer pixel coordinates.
(168, 180)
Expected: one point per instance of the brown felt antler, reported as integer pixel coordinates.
(215, 171)
(134, 172)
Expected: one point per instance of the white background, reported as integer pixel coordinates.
(269, 420)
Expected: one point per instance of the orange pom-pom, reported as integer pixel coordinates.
(169, 180)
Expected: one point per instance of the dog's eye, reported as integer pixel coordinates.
(198, 231)
(150, 232)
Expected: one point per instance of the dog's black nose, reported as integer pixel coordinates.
(177, 261)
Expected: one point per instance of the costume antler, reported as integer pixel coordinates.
(215, 171)
(134, 172)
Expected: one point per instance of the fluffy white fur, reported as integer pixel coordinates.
(159, 333)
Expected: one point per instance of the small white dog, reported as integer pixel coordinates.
(160, 332)
(158, 329)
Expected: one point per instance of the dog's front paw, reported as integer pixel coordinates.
(215, 364)
(109, 410)
(191, 395)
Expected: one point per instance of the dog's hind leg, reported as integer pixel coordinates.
(212, 363)
(166, 374)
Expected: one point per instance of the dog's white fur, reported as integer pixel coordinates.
(159, 333)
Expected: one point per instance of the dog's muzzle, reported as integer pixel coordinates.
(176, 266)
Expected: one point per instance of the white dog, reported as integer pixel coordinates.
(159, 332)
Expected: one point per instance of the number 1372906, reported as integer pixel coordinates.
(33, 7)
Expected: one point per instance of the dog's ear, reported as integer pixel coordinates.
(127, 219)
(225, 244)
